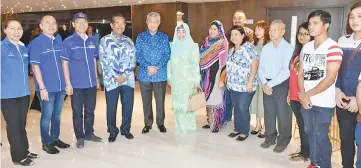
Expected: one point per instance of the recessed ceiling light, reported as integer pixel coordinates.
(120, 1)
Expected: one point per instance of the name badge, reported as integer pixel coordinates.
(25, 55)
(91, 46)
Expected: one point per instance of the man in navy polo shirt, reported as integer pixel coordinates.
(79, 54)
(50, 85)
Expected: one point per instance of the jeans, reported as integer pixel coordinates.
(15, 112)
(50, 114)
(127, 99)
(228, 104)
(317, 122)
(296, 108)
(358, 141)
(83, 98)
(347, 124)
(241, 102)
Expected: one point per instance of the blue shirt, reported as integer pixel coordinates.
(14, 70)
(45, 52)
(117, 57)
(239, 67)
(80, 54)
(347, 76)
(274, 63)
(152, 50)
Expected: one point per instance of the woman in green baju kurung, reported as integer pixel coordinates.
(183, 76)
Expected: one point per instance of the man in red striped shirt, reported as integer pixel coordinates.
(320, 62)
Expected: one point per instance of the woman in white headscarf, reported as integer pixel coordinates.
(183, 76)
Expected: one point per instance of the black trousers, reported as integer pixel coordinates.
(296, 108)
(83, 100)
(15, 111)
(278, 113)
(146, 89)
(347, 123)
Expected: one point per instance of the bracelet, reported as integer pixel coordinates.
(43, 88)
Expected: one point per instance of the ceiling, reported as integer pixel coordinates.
(22, 6)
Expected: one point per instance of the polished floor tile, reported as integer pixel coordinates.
(200, 149)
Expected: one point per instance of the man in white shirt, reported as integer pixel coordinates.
(320, 62)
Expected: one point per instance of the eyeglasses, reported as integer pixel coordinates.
(303, 34)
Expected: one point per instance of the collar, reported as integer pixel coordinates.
(42, 35)
(78, 36)
(7, 41)
(279, 44)
(351, 37)
(115, 36)
(156, 33)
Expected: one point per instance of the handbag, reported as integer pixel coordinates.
(197, 100)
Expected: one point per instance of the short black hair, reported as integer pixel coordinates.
(324, 15)
(118, 15)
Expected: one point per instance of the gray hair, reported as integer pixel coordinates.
(280, 23)
(153, 14)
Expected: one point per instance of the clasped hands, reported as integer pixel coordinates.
(121, 79)
(152, 70)
(346, 102)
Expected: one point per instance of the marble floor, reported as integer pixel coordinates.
(200, 149)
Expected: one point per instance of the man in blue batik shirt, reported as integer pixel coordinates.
(153, 54)
(117, 60)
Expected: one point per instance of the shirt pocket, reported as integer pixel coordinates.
(78, 54)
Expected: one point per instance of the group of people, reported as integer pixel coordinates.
(250, 71)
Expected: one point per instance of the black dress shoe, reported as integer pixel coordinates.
(49, 148)
(206, 126)
(239, 138)
(146, 129)
(60, 144)
(255, 132)
(112, 138)
(128, 135)
(162, 128)
(215, 131)
(232, 135)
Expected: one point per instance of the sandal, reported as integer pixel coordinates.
(206, 126)
(233, 134)
(260, 135)
(294, 154)
(33, 156)
(25, 162)
(298, 158)
(242, 137)
(254, 132)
